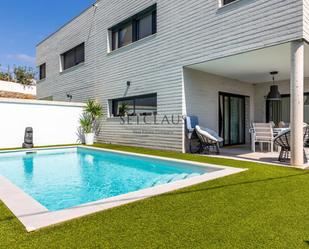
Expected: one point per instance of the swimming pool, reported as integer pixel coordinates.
(47, 186)
(65, 178)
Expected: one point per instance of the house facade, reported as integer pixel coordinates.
(155, 61)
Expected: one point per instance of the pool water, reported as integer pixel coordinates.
(64, 178)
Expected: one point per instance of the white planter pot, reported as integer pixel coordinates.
(89, 138)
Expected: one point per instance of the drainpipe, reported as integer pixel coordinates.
(297, 102)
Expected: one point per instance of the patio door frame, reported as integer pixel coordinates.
(222, 122)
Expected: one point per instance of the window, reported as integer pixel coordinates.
(73, 57)
(277, 111)
(225, 2)
(144, 105)
(144, 26)
(42, 71)
(135, 28)
(114, 40)
(125, 35)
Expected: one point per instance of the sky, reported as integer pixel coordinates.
(24, 23)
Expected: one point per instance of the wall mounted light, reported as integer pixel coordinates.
(128, 83)
(69, 96)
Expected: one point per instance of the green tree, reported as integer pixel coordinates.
(6, 75)
(24, 75)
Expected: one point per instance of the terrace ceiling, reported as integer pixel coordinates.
(254, 66)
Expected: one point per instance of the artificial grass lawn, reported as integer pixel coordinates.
(264, 207)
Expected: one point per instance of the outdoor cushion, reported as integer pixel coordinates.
(191, 122)
(212, 135)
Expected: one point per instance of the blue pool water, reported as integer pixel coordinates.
(64, 178)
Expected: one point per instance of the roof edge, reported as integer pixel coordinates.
(65, 24)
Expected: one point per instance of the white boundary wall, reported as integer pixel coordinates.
(17, 88)
(53, 123)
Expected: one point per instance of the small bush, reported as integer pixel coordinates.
(23, 75)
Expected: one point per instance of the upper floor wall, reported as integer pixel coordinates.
(306, 19)
(200, 28)
(187, 32)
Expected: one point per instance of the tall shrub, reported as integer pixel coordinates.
(24, 75)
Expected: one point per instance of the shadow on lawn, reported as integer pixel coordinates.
(237, 184)
(7, 219)
(173, 193)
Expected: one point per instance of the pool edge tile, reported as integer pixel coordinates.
(19, 203)
(34, 216)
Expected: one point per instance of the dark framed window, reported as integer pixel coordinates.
(277, 111)
(225, 2)
(42, 71)
(73, 57)
(143, 105)
(125, 35)
(135, 28)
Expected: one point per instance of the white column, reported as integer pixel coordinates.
(297, 102)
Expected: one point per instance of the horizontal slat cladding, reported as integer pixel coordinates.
(188, 32)
(306, 19)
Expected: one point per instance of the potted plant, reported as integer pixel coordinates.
(123, 109)
(86, 124)
(89, 120)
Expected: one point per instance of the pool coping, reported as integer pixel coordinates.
(35, 216)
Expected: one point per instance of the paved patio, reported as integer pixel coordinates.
(243, 152)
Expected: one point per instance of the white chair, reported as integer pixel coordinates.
(262, 133)
(282, 124)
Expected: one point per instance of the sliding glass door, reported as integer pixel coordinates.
(232, 118)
